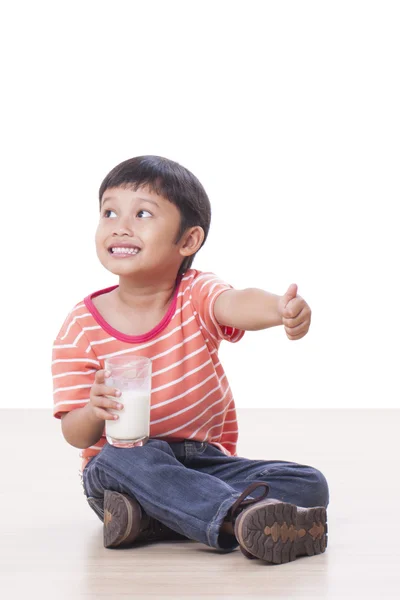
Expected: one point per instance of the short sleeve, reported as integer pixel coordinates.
(73, 367)
(205, 289)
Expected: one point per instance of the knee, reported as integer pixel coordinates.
(318, 488)
(137, 454)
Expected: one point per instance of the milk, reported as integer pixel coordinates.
(134, 419)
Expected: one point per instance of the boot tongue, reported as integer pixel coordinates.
(241, 503)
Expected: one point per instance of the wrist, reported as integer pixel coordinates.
(279, 309)
(275, 310)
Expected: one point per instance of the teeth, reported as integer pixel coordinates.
(124, 250)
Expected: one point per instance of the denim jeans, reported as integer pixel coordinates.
(190, 486)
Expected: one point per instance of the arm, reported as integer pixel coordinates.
(250, 309)
(81, 398)
(255, 309)
(81, 428)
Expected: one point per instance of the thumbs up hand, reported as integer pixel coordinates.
(295, 313)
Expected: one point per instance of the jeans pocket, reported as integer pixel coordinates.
(97, 504)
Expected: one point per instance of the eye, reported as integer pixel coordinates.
(107, 213)
(145, 214)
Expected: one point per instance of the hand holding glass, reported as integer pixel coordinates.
(132, 376)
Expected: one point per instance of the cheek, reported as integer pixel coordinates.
(99, 240)
(99, 235)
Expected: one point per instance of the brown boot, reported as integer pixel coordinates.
(126, 522)
(277, 531)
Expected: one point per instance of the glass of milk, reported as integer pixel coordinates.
(131, 375)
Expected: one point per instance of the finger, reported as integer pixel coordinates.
(104, 407)
(105, 390)
(292, 322)
(295, 331)
(294, 308)
(291, 293)
(302, 317)
(105, 414)
(295, 337)
(108, 402)
(100, 376)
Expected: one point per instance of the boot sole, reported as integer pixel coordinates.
(122, 517)
(280, 532)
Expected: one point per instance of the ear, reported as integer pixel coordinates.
(191, 241)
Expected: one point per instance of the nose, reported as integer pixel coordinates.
(123, 227)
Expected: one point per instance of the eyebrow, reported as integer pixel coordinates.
(113, 198)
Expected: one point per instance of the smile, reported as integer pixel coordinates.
(124, 252)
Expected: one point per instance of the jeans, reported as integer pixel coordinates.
(190, 486)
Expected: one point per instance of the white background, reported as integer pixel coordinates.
(287, 111)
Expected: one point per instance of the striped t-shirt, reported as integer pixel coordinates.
(190, 395)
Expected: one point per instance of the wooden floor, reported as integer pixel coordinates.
(51, 542)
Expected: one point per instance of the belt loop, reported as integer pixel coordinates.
(190, 449)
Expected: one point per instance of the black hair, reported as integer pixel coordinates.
(170, 180)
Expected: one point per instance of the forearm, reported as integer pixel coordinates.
(252, 309)
(81, 428)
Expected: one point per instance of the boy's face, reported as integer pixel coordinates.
(145, 222)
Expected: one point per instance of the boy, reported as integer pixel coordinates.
(187, 481)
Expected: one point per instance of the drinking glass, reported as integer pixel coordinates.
(131, 375)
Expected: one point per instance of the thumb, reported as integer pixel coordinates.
(290, 294)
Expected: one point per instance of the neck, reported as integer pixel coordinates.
(145, 296)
